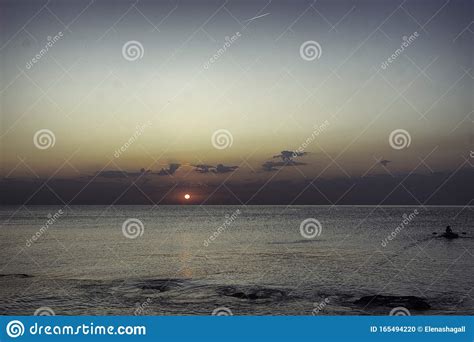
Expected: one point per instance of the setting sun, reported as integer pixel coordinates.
(187, 196)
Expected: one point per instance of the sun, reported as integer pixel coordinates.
(187, 196)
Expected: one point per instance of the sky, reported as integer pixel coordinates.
(199, 96)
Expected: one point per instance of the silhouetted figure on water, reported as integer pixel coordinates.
(449, 234)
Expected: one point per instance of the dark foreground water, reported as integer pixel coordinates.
(258, 263)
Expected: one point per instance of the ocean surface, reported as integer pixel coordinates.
(254, 260)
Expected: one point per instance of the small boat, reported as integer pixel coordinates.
(450, 235)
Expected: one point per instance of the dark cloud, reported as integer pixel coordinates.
(289, 155)
(220, 168)
(112, 174)
(273, 166)
(439, 188)
(287, 159)
(269, 166)
(169, 171)
(202, 168)
(121, 174)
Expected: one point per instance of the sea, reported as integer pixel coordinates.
(235, 260)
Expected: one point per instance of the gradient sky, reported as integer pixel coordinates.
(260, 89)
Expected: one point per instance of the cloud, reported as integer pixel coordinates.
(286, 160)
(457, 189)
(169, 171)
(289, 155)
(274, 166)
(121, 174)
(269, 166)
(203, 168)
(220, 168)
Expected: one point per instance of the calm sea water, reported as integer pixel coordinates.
(257, 263)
